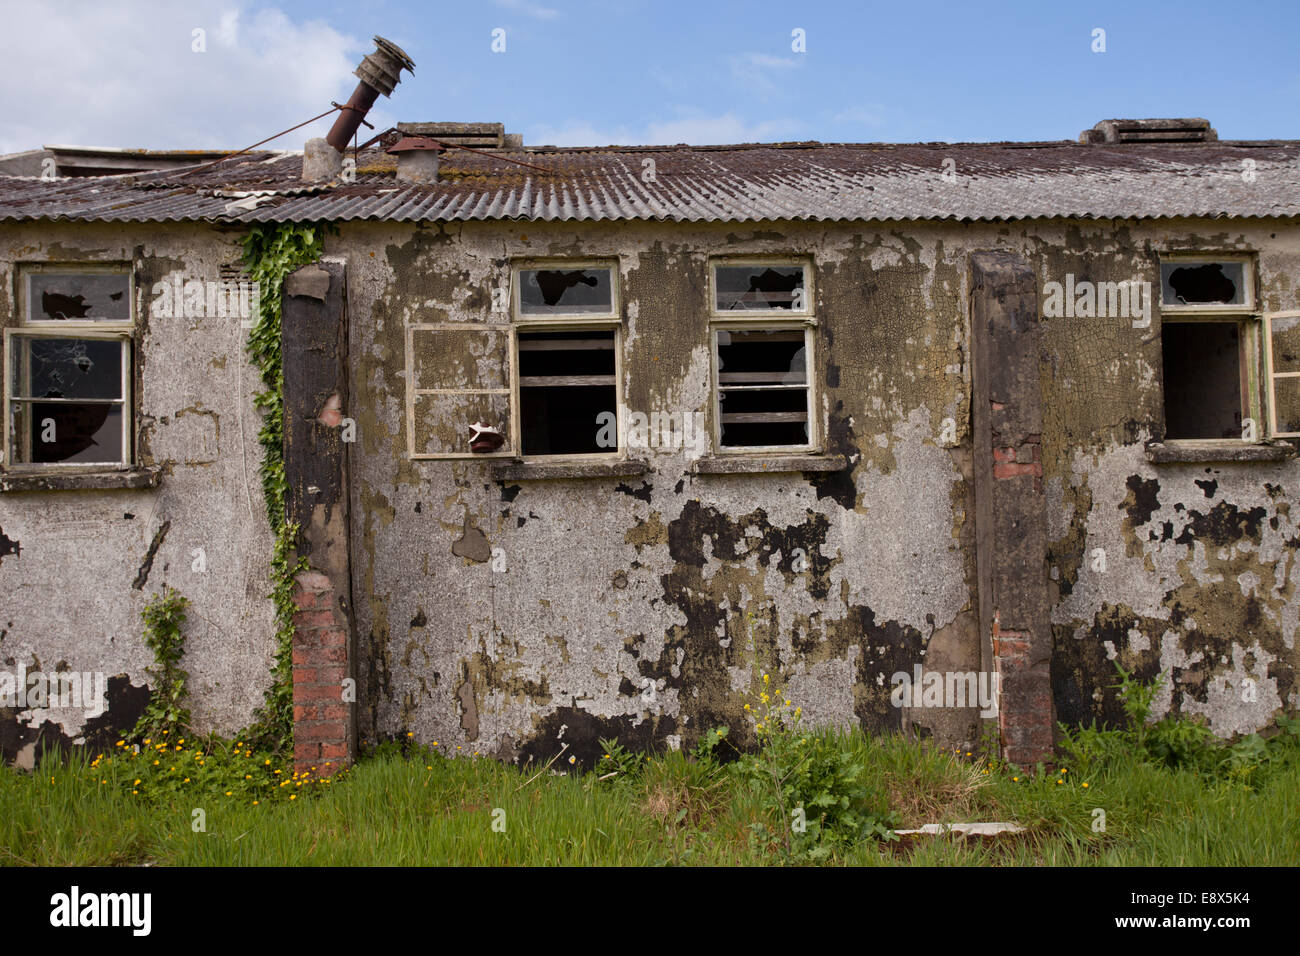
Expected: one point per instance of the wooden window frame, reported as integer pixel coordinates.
(1248, 305)
(762, 315)
(1271, 375)
(813, 445)
(121, 330)
(570, 323)
(566, 265)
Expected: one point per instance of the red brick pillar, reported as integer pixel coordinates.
(321, 698)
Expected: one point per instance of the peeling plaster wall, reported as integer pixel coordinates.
(644, 607)
(1182, 569)
(640, 607)
(68, 599)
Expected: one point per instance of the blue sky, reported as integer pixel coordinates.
(652, 71)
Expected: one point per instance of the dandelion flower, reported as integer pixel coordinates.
(1085, 785)
(293, 796)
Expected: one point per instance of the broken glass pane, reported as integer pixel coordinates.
(99, 297)
(566, 292)
(1203, 283)
(443, 422)
(759, 288)
(74, 432)
(66, 368)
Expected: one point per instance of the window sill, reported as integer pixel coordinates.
(80, 481)
(516, 470)
(1211, 450)
(767, 464)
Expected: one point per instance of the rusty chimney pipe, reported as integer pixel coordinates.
(380, 72)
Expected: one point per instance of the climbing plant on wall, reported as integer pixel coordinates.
(271, 252)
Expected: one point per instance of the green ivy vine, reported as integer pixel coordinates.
(164, 618)
(271, 252)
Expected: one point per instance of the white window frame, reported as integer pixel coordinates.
(102, 329)
(1272, 375)
(766, 314)
(564, 265)
(1253, 338)
(570, 323)
(810, 358)
(412, 392)
(1246, 306)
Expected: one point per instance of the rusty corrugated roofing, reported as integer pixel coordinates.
(808, 181)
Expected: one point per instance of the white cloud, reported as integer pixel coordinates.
(124, 74)
(756, 70)
(691, 127)
(527, 8)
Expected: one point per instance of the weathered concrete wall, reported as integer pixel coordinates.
(685, 581)
(1199, 559)
(645, 607)
(71, 598)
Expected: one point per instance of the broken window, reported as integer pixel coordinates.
(566, 290)
(68, 370)
(1203, 379)
(763, 395)
(568, 403)
(1200, 283)
(760, 287)
(1211, 343)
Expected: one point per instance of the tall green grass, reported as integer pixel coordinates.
(421, 808)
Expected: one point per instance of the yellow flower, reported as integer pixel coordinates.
(137, 783)
(410, 733)
(435, 743)
(765, 679)
(798, 711)
(747, 707)
(155, 763)
(228, 793)
(1064, 770)
(268, 761)
(1085, 784)
(255, 802)
(429, 767)
(186, 780)
(1016, 779)
(293, 796)
(135, 791)
(121, 743)
(146, 740)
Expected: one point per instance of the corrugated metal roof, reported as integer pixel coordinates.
(809, 181)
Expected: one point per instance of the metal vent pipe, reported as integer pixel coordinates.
(380, 72)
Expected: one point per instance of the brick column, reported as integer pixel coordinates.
(314, 338)
(1010, 509)
(320, 667)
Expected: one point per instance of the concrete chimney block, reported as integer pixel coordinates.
(321, 162)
